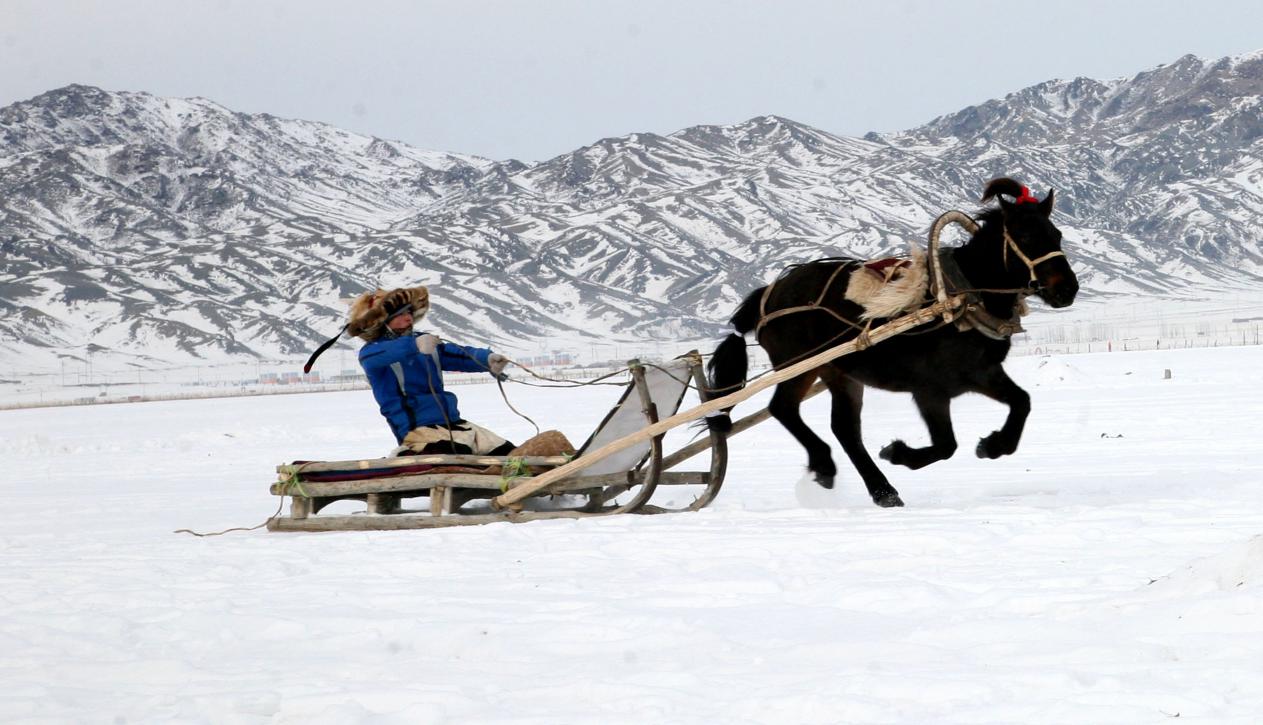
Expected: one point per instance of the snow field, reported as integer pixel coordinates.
(1110, 571)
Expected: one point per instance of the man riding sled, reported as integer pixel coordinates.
(405, 371)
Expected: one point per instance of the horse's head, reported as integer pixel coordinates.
(1032, 243)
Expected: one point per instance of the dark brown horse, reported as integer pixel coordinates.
(1015, 252)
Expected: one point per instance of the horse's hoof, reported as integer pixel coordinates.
(887, 453)
(888, 500)
(990, 447)
(824, 481)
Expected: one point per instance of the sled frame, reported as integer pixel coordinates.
(606, 493)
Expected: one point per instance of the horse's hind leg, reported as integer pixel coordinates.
(848, 401)
(936, 411)
(784, 407)
(997, 385)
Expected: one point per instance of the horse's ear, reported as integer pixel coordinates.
(1046, 206)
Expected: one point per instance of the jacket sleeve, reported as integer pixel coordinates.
(462, 359)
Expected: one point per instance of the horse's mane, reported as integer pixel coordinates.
(988, 215)
(822, 260)
(993, 190)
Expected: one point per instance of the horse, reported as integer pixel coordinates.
(1014, 252)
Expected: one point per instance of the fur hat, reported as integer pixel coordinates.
(371, 310)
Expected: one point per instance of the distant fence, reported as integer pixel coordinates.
(211, 391)
(194, 395)
(1134, 344)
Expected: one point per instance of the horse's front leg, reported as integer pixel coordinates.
(936, 411)
(997, 385)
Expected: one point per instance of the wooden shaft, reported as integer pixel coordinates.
(890, 329)
(739, 426)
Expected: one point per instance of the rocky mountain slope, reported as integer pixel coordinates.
(149, 231)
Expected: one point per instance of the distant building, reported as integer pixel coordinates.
(557, 358)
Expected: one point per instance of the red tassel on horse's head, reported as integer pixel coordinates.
(1026, 197)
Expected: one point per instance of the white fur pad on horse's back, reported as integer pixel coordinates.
(885, 288)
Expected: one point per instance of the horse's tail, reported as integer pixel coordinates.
(729, 363)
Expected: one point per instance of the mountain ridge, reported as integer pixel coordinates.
(172, 230)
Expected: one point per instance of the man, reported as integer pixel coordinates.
(405, 371)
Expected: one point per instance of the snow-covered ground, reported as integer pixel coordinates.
(1111, 571)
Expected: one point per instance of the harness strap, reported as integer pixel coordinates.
(765, 318)
(947, 282)
(973, 315)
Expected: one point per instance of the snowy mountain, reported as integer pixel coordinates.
(148, 231)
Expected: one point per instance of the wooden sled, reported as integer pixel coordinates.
(622, 482)
(624, 490)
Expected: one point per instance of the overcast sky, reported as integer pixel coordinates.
(531, 80)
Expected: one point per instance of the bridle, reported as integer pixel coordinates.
(1025, 198)
(947, 280)
(1009, 243)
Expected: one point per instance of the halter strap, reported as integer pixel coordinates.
(1030, 263)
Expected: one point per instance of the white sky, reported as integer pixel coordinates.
(531, 80)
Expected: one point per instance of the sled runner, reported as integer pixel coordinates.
(458, 488)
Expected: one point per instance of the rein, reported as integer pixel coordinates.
(961, 303)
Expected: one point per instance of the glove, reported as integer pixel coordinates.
(427, 344)
(496, 363)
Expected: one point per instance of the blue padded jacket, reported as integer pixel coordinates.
(408, 385)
